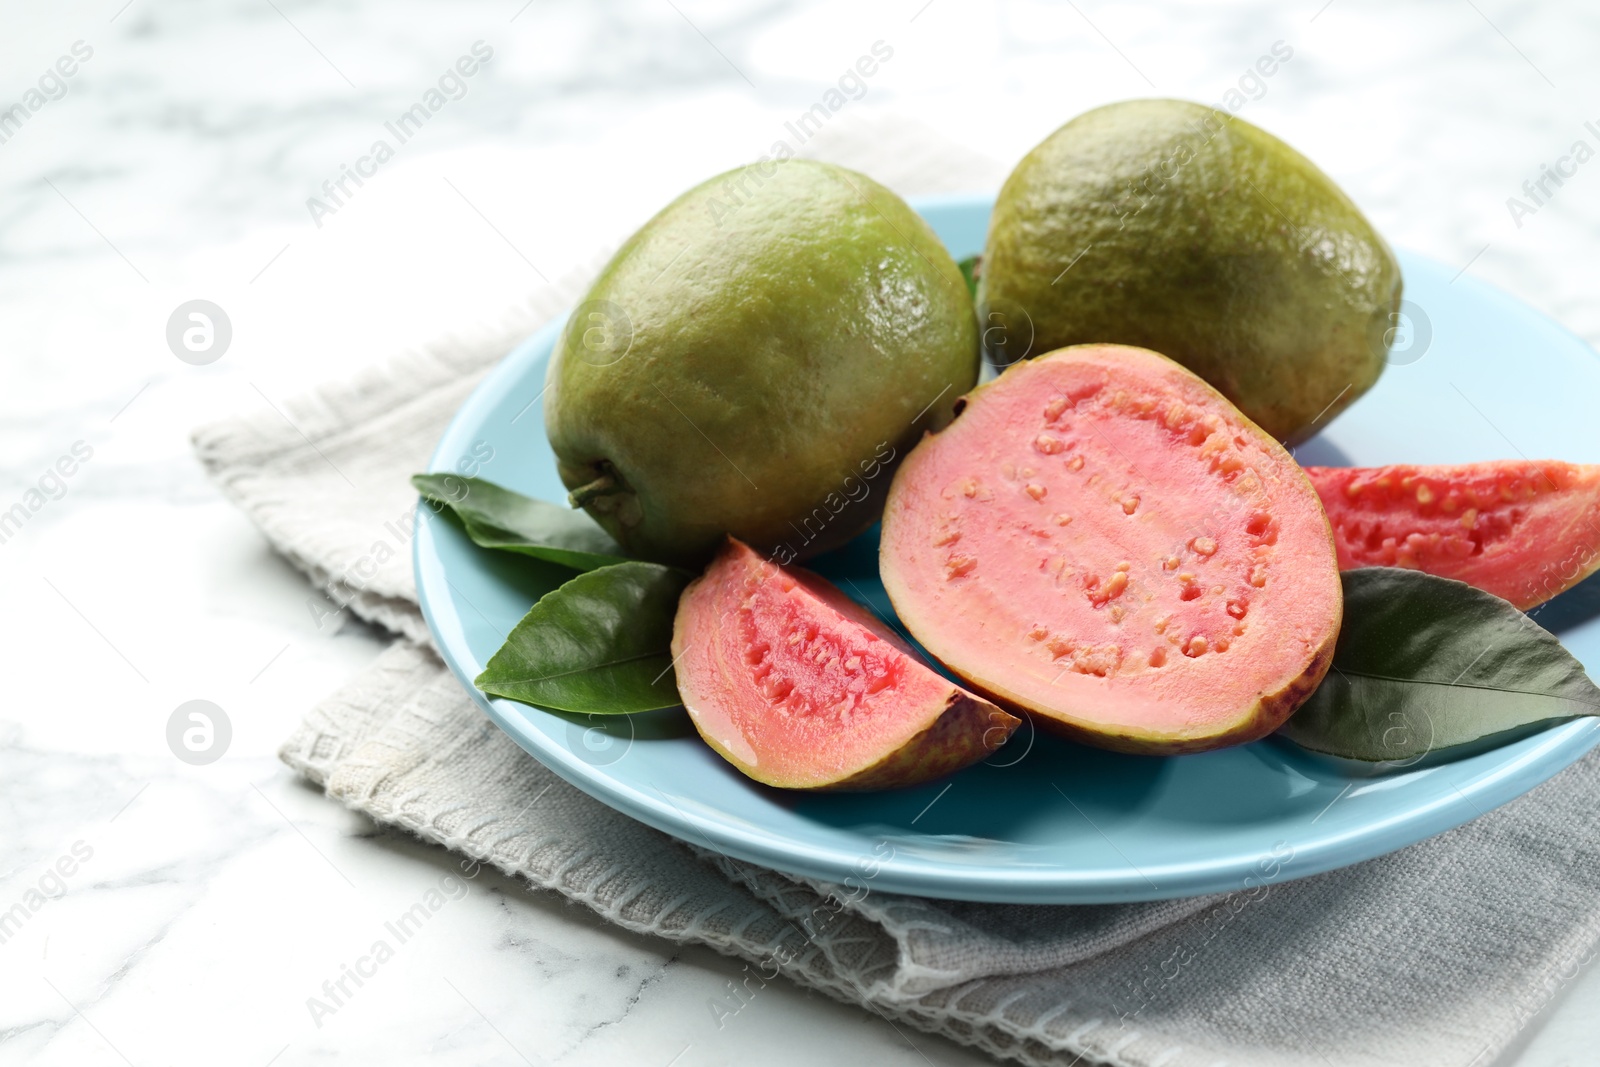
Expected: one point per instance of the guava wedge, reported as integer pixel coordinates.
(1102, 539)
(1522, 530)
(800, 687)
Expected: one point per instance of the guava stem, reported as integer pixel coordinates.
(605, 485)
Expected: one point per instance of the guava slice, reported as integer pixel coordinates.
(800, 687)
(1103, 539)
(1522, 530)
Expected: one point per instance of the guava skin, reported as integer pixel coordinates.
(755, 360)
(1167, 225)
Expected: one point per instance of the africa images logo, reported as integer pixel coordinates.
(452, 85)
(52, 85)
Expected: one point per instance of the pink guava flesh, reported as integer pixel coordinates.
(1522, 530)
(1103, 539)
(798, 686)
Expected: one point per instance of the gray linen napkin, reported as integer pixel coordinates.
(1438, 954)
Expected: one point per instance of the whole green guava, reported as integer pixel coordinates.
(1176, 227)
(755, 361)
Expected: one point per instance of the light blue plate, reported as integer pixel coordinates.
(1476, 376)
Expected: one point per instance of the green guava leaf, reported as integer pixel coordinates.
(1427, 666)
(600, 644)
(969, 271)
(495, 517)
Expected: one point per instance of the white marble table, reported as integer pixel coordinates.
(193, 910)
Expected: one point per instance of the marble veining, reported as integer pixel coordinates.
(216, 900)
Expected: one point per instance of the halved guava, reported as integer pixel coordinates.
(1103, 539)
(1522, 530)
(799, 686)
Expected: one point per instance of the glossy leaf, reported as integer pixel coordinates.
(496, 517)
(969, 271)
(601, 644)
(1430, 666)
